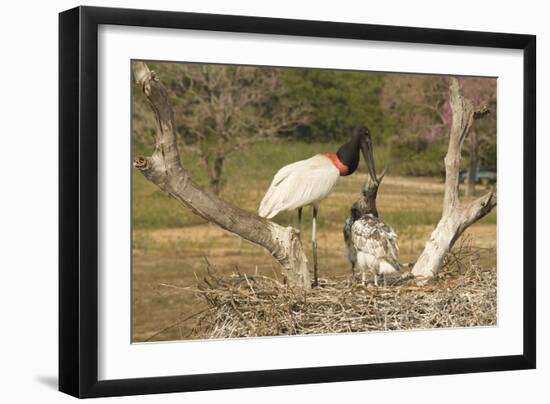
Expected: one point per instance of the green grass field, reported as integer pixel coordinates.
(246, 176)
(171, 244)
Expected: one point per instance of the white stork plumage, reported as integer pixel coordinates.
(308, 182)
(299, 184)
(371, 244)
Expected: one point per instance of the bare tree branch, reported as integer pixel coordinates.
(165, 170)
(480, 113)
(229, 107)
(456, 217)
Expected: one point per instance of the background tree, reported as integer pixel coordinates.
(419, 111)
(339, 100)
(222, 109)
(164, 169)
(482, 137)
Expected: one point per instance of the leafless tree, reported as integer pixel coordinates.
(225, 108)
(420, 106)
(164, 169)
(456, 216)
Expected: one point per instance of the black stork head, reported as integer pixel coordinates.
(348, 153)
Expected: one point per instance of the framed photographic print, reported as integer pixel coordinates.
(250, 201)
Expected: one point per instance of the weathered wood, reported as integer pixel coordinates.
(165, 170)
(456, 217)
(472, 167)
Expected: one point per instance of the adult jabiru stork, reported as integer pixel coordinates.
(308, 182)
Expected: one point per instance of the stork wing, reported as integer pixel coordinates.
(372, 236)
(299, 184)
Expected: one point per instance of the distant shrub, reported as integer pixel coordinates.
(419, 159)
(488, 156)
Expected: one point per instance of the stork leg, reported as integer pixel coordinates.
(300, 223)
(314, 246)
(376, 271)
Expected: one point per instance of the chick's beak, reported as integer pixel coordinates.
(369, 158)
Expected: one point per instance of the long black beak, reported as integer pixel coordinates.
(366, 148)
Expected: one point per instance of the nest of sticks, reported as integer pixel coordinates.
(463, 294)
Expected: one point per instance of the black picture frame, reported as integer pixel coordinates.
(78, 201)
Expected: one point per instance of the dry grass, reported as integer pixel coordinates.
(167, 262)
(462, 295)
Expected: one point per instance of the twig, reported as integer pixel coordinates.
(176, 324)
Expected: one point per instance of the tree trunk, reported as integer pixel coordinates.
(216, 178)
(472, 169)
(456, 217)
(165, 170)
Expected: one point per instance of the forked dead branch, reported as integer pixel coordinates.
(164, 169)
(456, 216)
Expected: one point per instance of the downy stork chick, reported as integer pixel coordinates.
(308, 182)
(373, 246)
(370, 243)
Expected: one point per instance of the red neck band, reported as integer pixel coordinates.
(342, 168)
